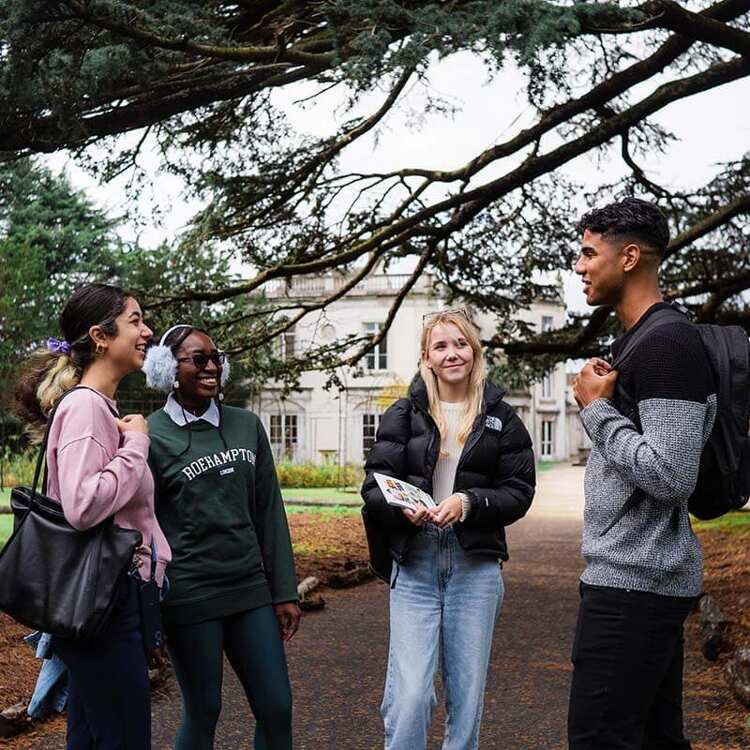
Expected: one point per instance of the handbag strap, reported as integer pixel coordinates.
(153, 560)
(41, 459)
(134, 566)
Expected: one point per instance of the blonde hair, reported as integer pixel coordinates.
(47, 375)
(476, 379)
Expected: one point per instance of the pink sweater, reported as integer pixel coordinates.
(97, 472)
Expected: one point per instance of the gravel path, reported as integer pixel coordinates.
(337, 660)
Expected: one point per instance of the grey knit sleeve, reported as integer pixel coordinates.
(676, 406)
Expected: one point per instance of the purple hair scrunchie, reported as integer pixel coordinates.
(57, 346)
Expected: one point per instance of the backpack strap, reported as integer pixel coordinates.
(654, 321)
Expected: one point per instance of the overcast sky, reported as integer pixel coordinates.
(711, 128)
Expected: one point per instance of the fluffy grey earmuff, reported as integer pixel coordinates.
(225, 371)
(160, 368)
(160, 365)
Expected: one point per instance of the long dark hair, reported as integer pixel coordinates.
(47, 375)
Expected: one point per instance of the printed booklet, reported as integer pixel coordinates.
(403, 494)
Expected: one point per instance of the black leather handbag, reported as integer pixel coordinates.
(381, 561)
(53, 577)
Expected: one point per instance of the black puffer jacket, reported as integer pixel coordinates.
(496, 471)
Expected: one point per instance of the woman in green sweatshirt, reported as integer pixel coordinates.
(232, 582)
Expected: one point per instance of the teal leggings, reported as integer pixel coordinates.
(252, 643)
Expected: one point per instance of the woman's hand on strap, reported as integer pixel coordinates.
(133, 423)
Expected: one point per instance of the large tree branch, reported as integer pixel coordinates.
(739, 205)
(720, 290)
(572, 345)
(45, 134)
(240, 54)
(702, 27)
(472, 202)
(738, 283)
(293, 183)
(37, 131)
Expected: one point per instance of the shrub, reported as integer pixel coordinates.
(19, 468)
(315, 475)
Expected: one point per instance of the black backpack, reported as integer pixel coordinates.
(724, 475)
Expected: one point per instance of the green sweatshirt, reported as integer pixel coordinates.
(222, 513)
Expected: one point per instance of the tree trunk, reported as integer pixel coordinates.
(738, 675)
(714, 625)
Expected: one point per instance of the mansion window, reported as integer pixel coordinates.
(283, 432)
(370, 423)
(547, 385)
(377, 358)
(548, 438)
(287, 345)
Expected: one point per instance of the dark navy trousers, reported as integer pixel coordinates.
(109, 701)
(626, 692)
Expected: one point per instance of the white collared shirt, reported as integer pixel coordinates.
(182, 416)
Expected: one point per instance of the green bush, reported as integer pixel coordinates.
(18, 468)
(314, 475)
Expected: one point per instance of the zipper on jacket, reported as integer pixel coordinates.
(431, 453)
(472, 441)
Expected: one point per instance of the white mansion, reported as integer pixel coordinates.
(317, 425)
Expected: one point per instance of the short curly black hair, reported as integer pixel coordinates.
(631, 217)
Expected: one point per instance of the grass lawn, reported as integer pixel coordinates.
(5, 496)
(6, 527)
(326, 494)
(323, 510)
(738, 521)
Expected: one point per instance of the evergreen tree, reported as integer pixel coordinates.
(196, 78)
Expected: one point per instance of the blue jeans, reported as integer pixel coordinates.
(109, 703)
(440, 598)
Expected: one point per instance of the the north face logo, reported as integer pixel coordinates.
(494, 423)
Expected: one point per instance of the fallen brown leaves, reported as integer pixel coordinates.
(325, 544)
(727, 579)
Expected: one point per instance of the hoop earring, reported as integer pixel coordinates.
(176, 385)
(100, 350)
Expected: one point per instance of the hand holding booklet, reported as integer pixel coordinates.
(403, 494)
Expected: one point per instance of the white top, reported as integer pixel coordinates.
(182, 416)
(444, 476)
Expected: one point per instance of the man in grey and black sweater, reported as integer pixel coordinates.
(644, 571)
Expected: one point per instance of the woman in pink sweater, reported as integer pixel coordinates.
(97, 464)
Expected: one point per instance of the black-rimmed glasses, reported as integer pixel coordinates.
(200, 360)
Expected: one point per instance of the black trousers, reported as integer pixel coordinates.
(109, 698)
(627, 671)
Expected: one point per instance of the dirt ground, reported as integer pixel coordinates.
(727, 565)
(325, 543)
